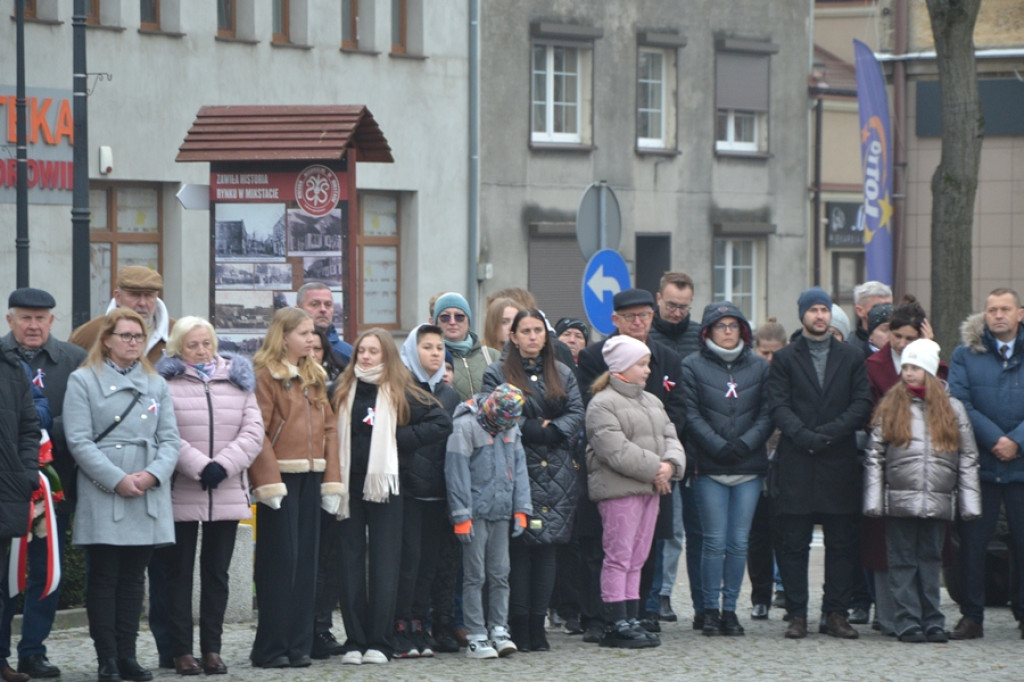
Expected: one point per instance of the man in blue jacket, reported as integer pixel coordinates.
(986, 375)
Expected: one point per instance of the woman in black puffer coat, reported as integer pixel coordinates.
(552, 416)
(727, 424)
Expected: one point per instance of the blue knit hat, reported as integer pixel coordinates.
(452, 300)
(813, 296)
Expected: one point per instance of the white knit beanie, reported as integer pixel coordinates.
(622, 352)
(923, 353)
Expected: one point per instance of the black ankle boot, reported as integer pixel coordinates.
(618, 632)
(538, 635)
(519, 629)
(108, 671)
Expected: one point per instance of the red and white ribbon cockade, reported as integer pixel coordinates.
(19, 546)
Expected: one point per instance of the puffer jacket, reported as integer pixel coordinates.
(992, 392)
(218, 421)
(726, 403)
(299, 436)
(630, 435)
(683, 337)
(486, 475)
(916, 481)
(469, 367)
(19, 449)
(423, 477)
(549, 461)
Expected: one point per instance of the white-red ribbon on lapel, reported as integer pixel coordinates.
(731, 393)
(370, 416)
(19, 548)
(667, 383)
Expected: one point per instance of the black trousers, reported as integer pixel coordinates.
(591, 560)
(328, 577)
(446, 577)
(424, 523)
(368, 593)
(760, 553)
(214, 561)
(842, 563)
(531, 578)
(115, 581)
(567, 595)
(285, 571)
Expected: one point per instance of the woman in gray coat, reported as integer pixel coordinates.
(120, 429)
(921, 464)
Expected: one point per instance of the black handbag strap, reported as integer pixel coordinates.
(120, 419)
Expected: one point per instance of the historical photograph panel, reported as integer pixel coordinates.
(243, 310)
(326, 269)
(242, 344)
(249, 231)
(234, 276)
(272, 275)
(310, 234)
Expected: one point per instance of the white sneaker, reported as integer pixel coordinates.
(502, 643)
(374, 656)
(352, 658)
(480, 648)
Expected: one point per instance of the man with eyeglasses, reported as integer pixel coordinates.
(672, 328)
(633, 315)
(819, 395)
(50, 361)
(138, 288)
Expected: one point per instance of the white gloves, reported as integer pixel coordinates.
(330, 504)
(273, 502)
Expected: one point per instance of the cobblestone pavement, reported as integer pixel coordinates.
(762, 654)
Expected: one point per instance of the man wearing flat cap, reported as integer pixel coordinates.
(50, 362)
(138, 288)
(632, 316)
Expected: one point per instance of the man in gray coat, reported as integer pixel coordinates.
(50, 361)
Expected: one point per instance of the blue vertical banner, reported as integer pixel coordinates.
(876, 161)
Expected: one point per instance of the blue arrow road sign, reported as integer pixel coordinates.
(605, 276)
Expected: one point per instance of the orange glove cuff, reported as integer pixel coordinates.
(520, 519)
(464, 528)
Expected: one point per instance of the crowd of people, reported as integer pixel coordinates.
(461, 492)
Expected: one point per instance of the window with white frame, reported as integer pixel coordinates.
(742, 89)
(558, 82)
(734, 274)
(651, 95)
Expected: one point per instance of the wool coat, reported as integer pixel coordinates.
(630, 435)
(19, 449)
(816, 468)
(916, 480)
(218, 421)
(145, 439)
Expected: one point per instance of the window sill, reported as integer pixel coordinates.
(241, 41)
(356, 50)
(406, 55)
(293, 46)
(751, 156)
(166, 34)
(36, 20)
(657, 151)
(562, 147)
(105, 27)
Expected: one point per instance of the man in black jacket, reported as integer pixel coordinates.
(819, 395)
(634, 312)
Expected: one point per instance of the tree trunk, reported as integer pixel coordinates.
(955, 181)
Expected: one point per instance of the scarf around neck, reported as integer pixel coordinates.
(727, 356)
(382, 468)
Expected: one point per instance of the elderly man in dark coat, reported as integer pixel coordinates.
(819, 396)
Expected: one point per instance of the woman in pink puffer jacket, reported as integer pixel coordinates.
(221, 434)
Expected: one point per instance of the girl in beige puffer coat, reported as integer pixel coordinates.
(921, 466)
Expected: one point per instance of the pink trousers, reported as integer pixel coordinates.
(628, 531)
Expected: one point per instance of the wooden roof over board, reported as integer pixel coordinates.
(284, 133)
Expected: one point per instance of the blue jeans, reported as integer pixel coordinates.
(726, 513)
(39, 613)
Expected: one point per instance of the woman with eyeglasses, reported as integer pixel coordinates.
(552, 417)
(121, 430)
(451, 314)
(727, 425)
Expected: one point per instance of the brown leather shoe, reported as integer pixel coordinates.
(213, 665)
(838, 626)
(797, 628)
(186, 665)
(967, 628)
(9, 674)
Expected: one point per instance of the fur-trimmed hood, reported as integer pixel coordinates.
(977, 338)
(234, 368)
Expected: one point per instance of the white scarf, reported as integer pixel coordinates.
(382, 468)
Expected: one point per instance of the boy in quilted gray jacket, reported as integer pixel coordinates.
(488, 487)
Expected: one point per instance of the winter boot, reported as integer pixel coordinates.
(519, 628)
(538, 636)
(644, 625)
(618, 633)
